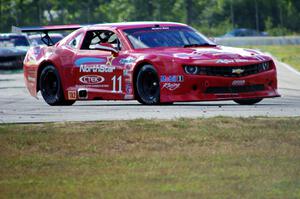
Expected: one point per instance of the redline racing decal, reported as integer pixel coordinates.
(171, 82)
(171, 86)
(91, 79)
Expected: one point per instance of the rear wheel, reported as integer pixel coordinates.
(248, 101)
(51, 89)
(147, 85)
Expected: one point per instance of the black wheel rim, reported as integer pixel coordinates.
(150, 84)
(50, 84)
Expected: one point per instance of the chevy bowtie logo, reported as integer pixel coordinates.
(237, 71)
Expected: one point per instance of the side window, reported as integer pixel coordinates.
(74, 43)
(94, 40)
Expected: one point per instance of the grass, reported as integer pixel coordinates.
(184, 158)
(289, 54)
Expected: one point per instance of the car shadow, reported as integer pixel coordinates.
(176, 105)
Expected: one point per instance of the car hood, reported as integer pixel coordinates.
(216, 54)
(6, 52)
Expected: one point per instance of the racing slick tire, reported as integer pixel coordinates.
(51, 89)
(147, 86)
(248, 101)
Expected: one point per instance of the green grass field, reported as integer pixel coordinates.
(184, 158)
(289, 54)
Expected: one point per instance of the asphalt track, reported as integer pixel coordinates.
(17, 106)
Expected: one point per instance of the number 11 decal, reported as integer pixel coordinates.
(117, 82)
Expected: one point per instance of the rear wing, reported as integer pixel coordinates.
(45, 30)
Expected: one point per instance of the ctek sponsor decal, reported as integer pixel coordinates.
(91, 79)
(96, 68)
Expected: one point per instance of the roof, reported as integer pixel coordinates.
(136, 24)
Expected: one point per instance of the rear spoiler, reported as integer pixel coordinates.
(45, 29)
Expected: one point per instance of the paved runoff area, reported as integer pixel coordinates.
(17, 106)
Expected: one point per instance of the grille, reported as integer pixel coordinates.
(235, 89)
(232, 71)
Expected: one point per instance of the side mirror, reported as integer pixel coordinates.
(212, 39)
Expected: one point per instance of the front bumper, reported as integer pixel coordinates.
(214, 88)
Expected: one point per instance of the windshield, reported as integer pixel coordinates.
(13, 41)
(155, 37)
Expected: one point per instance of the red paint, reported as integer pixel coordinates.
(119, 68)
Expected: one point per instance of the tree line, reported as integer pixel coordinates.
(212, 17)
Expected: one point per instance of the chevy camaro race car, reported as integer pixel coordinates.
(152, 62)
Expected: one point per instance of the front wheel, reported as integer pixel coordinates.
(248, 101)
(147, 86)
(51, 89)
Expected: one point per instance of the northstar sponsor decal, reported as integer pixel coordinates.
(96, 68)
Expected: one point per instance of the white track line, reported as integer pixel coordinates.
(290, 68)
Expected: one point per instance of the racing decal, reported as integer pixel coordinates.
(241, 60)
(31, 79)
(160, 28)
(127, 61)
(128, 89)
(238, 83)
(194, 54)
(72, 95)
(224, 61)
(95, 65)
(91, 79)
(260, 58)
(88, 60)
(110, 59)
(96, 68)
(171, 78)
(102, 86)
(171, 86)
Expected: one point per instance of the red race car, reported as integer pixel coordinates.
(152, 62)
